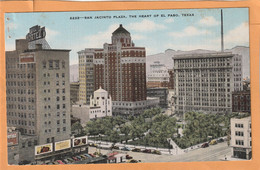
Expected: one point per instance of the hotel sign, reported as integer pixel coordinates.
(12, 138)
(35, 33)
(27, 58)
(62, 145)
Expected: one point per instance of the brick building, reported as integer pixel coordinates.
(241, 101)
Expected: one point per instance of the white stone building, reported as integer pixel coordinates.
(203, 82)
(100, 104)
(241, 141)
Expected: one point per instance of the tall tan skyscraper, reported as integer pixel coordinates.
(38, 88)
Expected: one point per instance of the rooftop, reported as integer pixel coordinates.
(120, 30)
(203, 55)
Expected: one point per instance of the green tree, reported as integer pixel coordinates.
(77, 127)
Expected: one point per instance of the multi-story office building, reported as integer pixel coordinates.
(74, 92)
(86, 75)
(38, 88)
(158, 76)
(171, 79)
(203, 82)
(241, 101)
(161, 93)
(237, 72)
(20, 147)
(241, 141)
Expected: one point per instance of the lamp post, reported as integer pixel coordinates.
(169, 140)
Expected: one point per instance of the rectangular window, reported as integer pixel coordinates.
(50, 64)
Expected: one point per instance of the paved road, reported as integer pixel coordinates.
(212, 153)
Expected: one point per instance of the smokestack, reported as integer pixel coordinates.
(222, 38)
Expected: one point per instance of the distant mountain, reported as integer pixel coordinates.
(74, 73)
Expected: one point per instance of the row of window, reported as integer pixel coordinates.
(57, 75)
(21, 122)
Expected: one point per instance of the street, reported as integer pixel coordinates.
(212, 153)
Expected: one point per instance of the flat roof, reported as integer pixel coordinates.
(203, 55)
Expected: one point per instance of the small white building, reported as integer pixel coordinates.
(100, 104)
(241, 141)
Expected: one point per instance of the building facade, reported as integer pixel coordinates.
(86, 75)
(161, 93)
(20, 147)
(237, 72)
(120, 69)
(100, 106)
(241, 141)
(103, 102)
(158, 76)
(241, 101)
(203, 82)
(37, 94)
(74, 92)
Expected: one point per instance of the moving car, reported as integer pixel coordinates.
(220, 140)
(157, 152)
(125, 149)
(136, 150)
(128, 157)
(204, 145)
(132, 161)
(213, 142)
(147, 151)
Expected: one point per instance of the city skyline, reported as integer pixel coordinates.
(200, 31)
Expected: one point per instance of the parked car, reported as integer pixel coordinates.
(136, 150)
(70, 159)
(220, 140)
(114, 147)
(157, 152)
(132, 161)
(79, 157)
(75, 158)
(83, 157)
(60, 162)
(24, 162)
(50, 163)
(92, 155)
(213, 142)
(147, 151)
(128, 157)
(204, 145)
(66, 161)
(93, 144)
(97, 154)
(87, 155)
(125, 149)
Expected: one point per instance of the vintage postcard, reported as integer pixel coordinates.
(135, 86)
